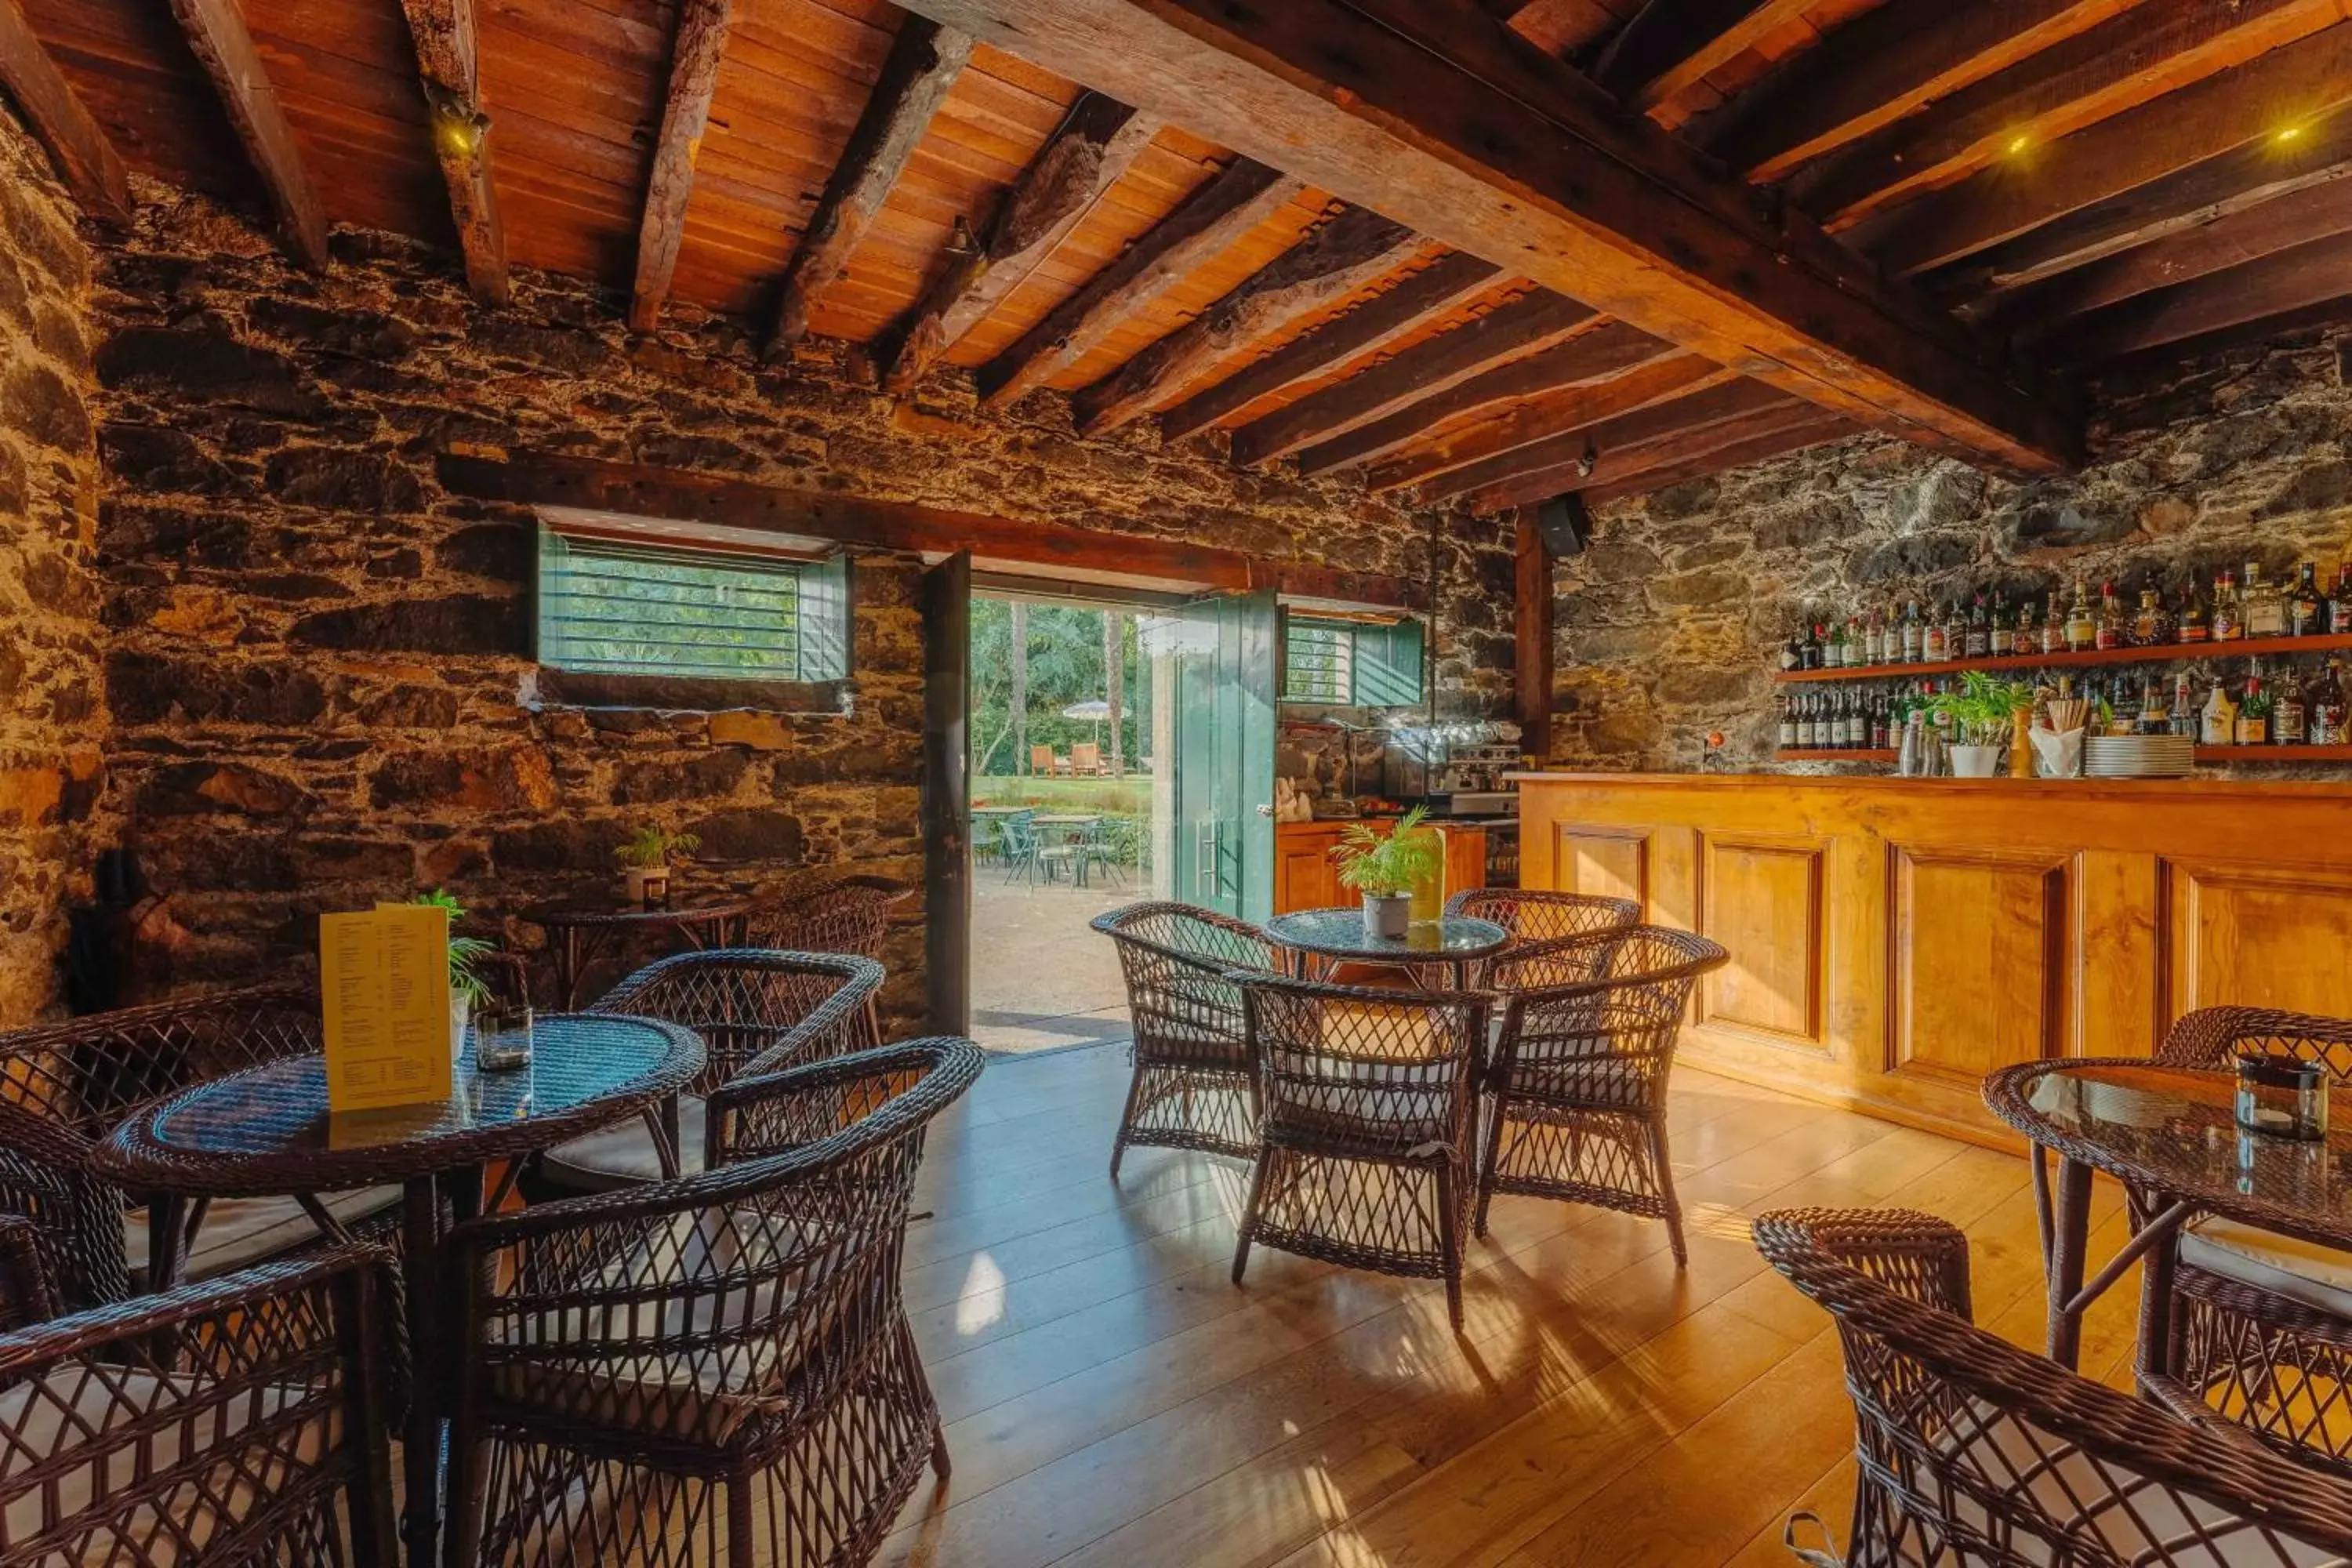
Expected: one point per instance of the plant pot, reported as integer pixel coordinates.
(648, 885)
(461, 1012)
(1388, 916)
(1974, 761)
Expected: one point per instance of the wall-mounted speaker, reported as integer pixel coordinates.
(1564, 524)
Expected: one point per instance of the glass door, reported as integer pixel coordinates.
(1220, 656)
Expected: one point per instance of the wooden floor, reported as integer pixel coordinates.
(1112, 1399)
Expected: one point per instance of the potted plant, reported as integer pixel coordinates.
(1982, 715)
(644, 860)
(1385, 867)
(466, 985)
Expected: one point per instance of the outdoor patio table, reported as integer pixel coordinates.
(577, 933)
(1323, 939)
(2169, 1132)
(267, 1132)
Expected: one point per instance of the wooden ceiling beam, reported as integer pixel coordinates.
(2241, 111)
(1605, 351)
(1235, 200)
(1449, 122)
(1697, 408)
(1441, 286)
(448, 65)
(694, 53)
(2309, 274)
(79, 151)
(1818, 431)
(1879, 68)
(1564, 28)
(1671, 46)
(922, 67)
(1343, 254)
(1528, 324)
(1712, 441)
(1442, 458)
(2125, 62)
(217, 32)
(1092, 150)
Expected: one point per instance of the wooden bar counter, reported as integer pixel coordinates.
(1894, 940)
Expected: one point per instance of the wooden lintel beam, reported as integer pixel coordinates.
(1680, 418)
(1441, 286)
(1607, 350)
(215, 31)
(79, 151)
(922, 67)
(695, 54)
(1441, 465)
(2308, 274)
(1531, 626)
(645, 490)
(1343, 254)
(1703, 447)
(1671, 46)
(1527, 325)
(1819, 430)
(1234, 202)
(1093, 147)
(448, 64)
(1447, 122)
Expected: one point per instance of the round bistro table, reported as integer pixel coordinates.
(2169, 1132)
(1325, 938)
(267, 1132)
(577, 933)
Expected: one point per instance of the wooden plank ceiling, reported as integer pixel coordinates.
(1482, 251)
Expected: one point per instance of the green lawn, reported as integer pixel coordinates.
(1127, 797)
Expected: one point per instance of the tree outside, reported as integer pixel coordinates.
(1030, 662)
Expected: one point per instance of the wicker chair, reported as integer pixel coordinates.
(70, 1084)
(2244, 1322)
(1195, 1084)
(746, 1004)
(707, 1370)
(1371, 1099)
(841, 914)
(1975, 1454)
(238, 1423)
(1579, 1071)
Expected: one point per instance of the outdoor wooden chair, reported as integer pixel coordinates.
(1578, 1079)
(1370, 1105)
(1044, 764)
(1972, 1453)
(1195, 1082)
(1085, 760)
(713, 1369)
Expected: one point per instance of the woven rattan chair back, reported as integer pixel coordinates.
(1370, 1105)
(842, 914)
(1195, 1080)
(1974, 1454)
(748, 1003)
(2211, 1036)
(717, 1368)
(27, 1295)
(64, 1087)
(1533, 916)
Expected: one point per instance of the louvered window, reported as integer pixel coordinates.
(632, 607)
(1351, 662)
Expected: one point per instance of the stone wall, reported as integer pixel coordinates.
(1670, 625)
(51, 782)
(318, 657)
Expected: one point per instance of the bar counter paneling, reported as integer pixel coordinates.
(1894, 940)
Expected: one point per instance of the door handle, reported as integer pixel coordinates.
(1205, 861)
(1266, 811)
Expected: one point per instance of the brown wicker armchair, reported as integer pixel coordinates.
(1975, 1454)
(1532, 916)
(237, 1423)
(781, 1008)
(840, 914)
(1195, 1084)
(1579, 1072)
(70, 1084)
(1370, 1104)
(717, 1368)
(2243, 1322)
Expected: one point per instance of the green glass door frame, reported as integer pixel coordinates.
(1225, 651)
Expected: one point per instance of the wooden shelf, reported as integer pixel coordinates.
(2274, 753)
(1835, 755)
(2241, 647)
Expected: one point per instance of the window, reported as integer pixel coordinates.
(1349, 662)
(622, 606)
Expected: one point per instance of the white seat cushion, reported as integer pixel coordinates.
(2318, 1277)
(240, 1232)
(621, 1155)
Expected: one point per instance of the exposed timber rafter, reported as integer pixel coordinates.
(1817, 429)
(1569, 460)
(701, 43)
(1234, 202)
(921, 70)
(217, 32)
(1433, 465)
(1670, 46)
(449, 67)
(1679, 443)
(1093, 147)
(84, 158)
(2310, 274)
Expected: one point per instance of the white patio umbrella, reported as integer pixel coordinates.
(1095, 711)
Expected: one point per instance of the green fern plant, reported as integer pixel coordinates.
(465, 952)
(1382, 866)
(651, 845)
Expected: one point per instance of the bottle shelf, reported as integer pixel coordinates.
(2238, 648)
(2274, 753)
(1843, 754)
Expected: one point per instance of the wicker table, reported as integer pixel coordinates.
(577, 933)
(266, 1132)
(2168, 1133)
(1322, 939)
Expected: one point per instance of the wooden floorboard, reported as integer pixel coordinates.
(1113, 1399)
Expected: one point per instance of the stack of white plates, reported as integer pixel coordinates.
(2137, 756)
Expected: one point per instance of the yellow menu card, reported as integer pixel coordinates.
(383, 984)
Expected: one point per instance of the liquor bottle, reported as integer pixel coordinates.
(1956, 631)
(2193, 627)
(1792, 652)
(2082, 627)
(2339, 602)
(2054, 628)
(2306, 614)
(1788, 736)
(1979, 629)
(1882, 724)
(2153, 625)
(2154, 717)
(1833, 652)
(2110, 629)
(1856, 653)
(1804, 725)
(1936, 646)
(1915, 635)
(2264, 612)
(2254, 710)
(2184, 706)
(2289, 713)
(2221, 719)
(2003, 635)
(1851, 736)
(1812, 648)
(2327, 717)
(2228, 624)
(1874, 640)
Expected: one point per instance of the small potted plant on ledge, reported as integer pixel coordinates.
(1385, 867)
(645, 858)
(1983, 713)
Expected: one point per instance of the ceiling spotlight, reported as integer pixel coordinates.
(1586, 463)
(2018, 143)
(960, 240)
(2288, 134)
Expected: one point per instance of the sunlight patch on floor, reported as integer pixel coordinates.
(981, 1301)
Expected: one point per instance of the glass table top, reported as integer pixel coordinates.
(1340, 932)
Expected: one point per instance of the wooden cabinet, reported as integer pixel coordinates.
(1894, 940)
(1305, 878)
